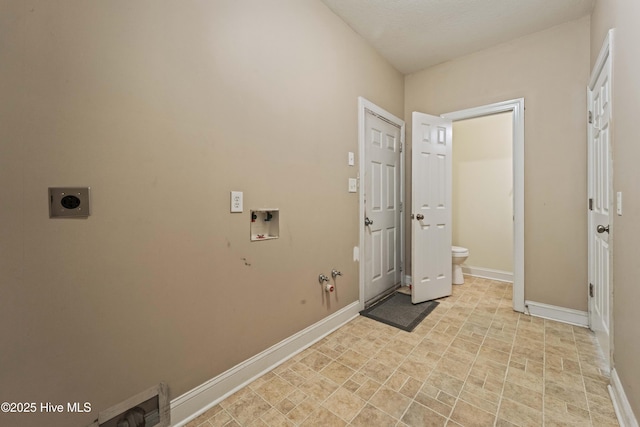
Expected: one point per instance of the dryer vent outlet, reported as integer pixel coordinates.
(147, 409)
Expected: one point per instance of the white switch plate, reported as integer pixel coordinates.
(236, 201)
(353, 185)
(352, 159)
(619, 203)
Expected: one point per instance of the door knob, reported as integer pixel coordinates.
(367, 221)
(602, 229)
(419, 217)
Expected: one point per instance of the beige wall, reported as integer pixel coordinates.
(483, 190)
(550, 70)
(624, 15)
(163, 108)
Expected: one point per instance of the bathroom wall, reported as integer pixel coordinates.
(163, 108)
(623, 16)
(482, 198)
(550, 70)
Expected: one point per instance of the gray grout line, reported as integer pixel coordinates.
(506, 373)
(423, 382)
(584, 386)
(476, 358)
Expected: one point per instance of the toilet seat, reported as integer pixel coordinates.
(458, 251)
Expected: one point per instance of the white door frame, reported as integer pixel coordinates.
(363, 106)
(606, 52)
(516, 106)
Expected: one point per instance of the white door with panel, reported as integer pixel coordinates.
(431, 208)
(382, 209)
(600, 176)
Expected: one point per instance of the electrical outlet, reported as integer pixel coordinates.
(236, 201)
(69, 202)
(352, 159)
(353, 185)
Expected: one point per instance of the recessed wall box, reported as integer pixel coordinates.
(69, 202)
(149, 408)
(265, 224)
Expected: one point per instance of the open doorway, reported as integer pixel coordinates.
(516, 108)
(482, 194)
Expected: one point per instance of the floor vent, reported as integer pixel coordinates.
(147, 409)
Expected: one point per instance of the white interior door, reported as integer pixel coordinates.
(600, 202)
(382, 197)
(430, 208)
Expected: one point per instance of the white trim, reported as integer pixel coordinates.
(488, 273)
(559, 314)
(363, 105)
(605, 51)
(200, 399)
(517, 107)
(621, 404)
(484, 273)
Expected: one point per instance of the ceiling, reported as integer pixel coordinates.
(416, 34)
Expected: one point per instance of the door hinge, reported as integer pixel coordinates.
(591, 290)
(590, 204)
(401, 207)
(401, 147)
(590, 117)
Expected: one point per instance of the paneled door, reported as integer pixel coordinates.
(381, 206)
(430, 207)
(600, 175)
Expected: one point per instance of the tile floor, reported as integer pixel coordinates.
(471, 362)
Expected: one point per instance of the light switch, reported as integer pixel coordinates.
(353, 185)
(352, 158)
(236, 201)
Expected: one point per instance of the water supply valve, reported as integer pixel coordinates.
(325, 282)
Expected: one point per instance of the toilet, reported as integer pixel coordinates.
(458, 256)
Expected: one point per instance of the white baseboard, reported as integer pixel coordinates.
(194, 402)
(560, 314)
(488, 273)
(621, 404)
(485, 273)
